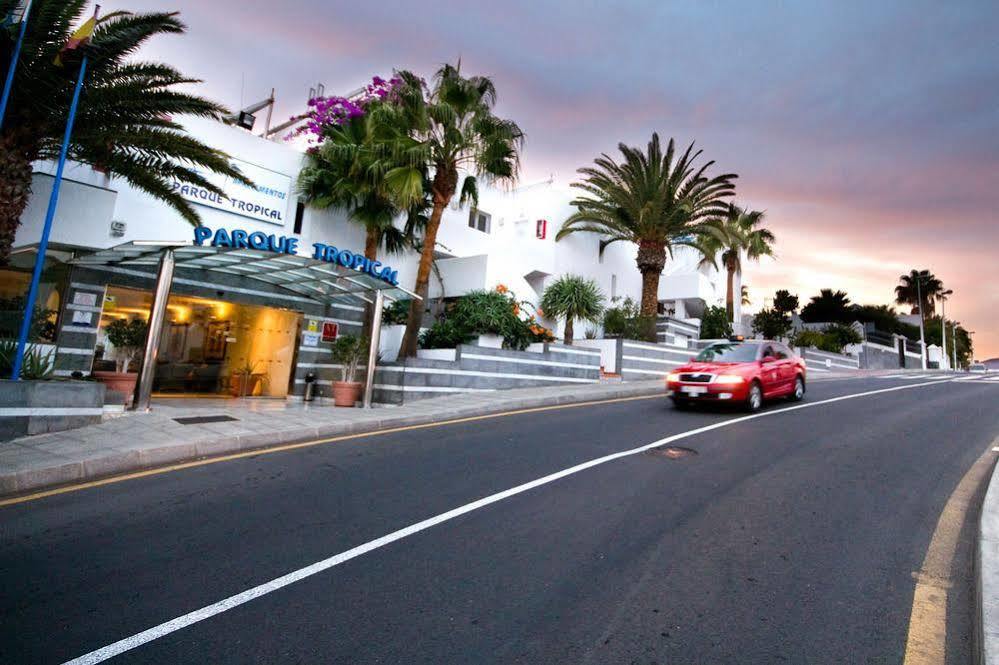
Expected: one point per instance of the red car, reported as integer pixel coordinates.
(738, 371)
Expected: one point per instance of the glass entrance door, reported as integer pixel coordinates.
(212, 347)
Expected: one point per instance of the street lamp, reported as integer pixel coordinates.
(953, 329)
(943, 325)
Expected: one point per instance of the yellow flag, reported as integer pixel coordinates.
(79, 38)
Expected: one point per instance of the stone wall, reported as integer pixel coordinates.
(37, 407)
(484, 369)
(642, 361)
(824, 361)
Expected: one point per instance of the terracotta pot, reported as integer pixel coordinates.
(121, 382)
(242, 385)
(346, 393)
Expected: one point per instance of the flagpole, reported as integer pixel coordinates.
(9, 83)
(29, 307)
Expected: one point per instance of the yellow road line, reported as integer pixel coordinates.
(303, 444)
(927, 638)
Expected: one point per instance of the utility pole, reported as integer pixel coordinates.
(943, 325)
(922, 336)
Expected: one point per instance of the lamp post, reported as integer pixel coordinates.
(943, 325)
(954, 342)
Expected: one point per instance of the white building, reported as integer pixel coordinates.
(509, 239)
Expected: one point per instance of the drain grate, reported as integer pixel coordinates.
(198, 420)
(672, 452)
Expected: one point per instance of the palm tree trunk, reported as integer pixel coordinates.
(411, 337)
(730, 295)
(370, 252)
(651, 260)
(568, 331)
(15, 191)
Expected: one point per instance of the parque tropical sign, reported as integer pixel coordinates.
(258, 240)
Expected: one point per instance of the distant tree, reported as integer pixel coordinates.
(771, 323)
(922, 297)
(827, 307)
(745, 295)
(737, 233)
(715, 323)
(883, 317)
(784, 302)
(572, 297)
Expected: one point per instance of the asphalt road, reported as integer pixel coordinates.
(790, 537)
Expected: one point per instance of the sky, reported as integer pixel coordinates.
(867, 132)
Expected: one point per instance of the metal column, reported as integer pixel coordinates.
(376, 329)
(144, 386)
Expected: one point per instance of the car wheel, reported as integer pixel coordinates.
(754, 401)
(799, 390)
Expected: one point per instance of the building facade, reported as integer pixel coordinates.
(224, 323)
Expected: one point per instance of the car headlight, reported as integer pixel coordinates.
(729, 378)
(672, 377)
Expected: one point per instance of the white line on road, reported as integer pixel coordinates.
(121, 646)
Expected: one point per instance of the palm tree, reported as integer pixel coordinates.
(827, 307)
(745, 295)
(449, 129)
(655, 200)
(123, 125)
(785, 302)
(922, 297)
(732, 236)
(572, 297)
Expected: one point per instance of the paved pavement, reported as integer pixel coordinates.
(790, 536)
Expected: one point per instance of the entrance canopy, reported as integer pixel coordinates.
(322, 281)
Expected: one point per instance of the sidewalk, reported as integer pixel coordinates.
(143, 440)
(987, 575)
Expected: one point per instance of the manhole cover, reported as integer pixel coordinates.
(671, 452)
(198, 420)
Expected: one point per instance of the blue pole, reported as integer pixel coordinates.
(29, 307)
(9, 83)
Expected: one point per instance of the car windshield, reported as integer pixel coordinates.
(728, 352)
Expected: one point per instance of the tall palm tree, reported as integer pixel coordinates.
(572, 298)
(736, 234)
(654, 199)
(451, 130)
(921, 298)
(123, 125)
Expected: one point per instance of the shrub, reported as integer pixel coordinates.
(348, 351)
(11, 314)
(832, 338)
(625, 320)
(485, 313)
(715, 323)
(573, 298)
(396, 313)
(128, 338)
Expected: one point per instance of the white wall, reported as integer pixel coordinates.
(512, 254)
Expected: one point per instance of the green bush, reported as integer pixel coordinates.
(128, 338)
(771, 323)
(396, 313)
(625, 320)
(832, 338)
(12, 313)
(34, 365)
(484, 313)
(715, 323)
(349, 351)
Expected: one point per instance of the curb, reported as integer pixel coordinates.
(987, 577)
(95, 468)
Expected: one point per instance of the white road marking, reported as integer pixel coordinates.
(121, 646)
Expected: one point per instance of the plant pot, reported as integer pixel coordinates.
(242, 385)
(346, 393)
(120, 382)
(490, 341)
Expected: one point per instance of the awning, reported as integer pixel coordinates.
(322, 281)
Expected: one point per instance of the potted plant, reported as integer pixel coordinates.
(348, 352)
(244, 381)
(127, 338)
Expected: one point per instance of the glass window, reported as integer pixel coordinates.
(479, 220)
(729, 352)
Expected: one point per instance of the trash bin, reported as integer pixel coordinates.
(310, 387)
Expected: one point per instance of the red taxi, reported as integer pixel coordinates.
(738, 371)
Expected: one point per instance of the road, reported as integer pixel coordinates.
(792, 536)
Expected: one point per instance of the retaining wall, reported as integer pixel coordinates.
(37, 407)
(675, 332)
(484, 369)
(641, 361)
(824, 361)
(878, 356)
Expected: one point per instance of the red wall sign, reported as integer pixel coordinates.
(330, 330)
(541, 229)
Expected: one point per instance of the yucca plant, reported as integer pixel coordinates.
(124, 125)
(572, 298)
(37, 366)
